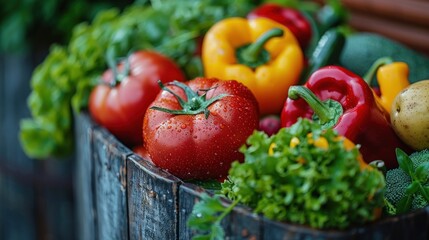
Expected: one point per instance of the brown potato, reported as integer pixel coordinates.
(410, 115)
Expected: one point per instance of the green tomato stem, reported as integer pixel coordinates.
(193, 105)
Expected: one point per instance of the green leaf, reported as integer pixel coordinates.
(424, 191)
(405, 162)
(404, 204)
(422, 172)
(412, 188)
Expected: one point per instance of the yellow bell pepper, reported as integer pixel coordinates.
(260, 53)
(392, 78)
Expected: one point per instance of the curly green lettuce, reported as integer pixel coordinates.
(302, 175)
(305, 175)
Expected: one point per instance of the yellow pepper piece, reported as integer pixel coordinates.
(271, 149)
(269, 81)
(392, 79)
(321, 142)
(294, 142)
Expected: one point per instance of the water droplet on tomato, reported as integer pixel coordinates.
(183, 126)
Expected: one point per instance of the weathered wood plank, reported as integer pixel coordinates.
(110, 184)
(152, 201)
(84, 177)
(414, 225)
(278, 231)
(189, 194)
(245, 224)
(409, 226)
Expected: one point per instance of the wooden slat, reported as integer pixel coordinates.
(152, 201)
(407, 11)
(84, 177)
(414, 36)
(245, 224)
(110, 184)
(413, 225)
(189, 194)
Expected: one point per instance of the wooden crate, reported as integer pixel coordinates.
(124, 196)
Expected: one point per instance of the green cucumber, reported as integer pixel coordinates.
(362, 49)
(327, 52)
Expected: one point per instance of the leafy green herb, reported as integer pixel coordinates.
(305, 175)
(63, 82)
(207, 215)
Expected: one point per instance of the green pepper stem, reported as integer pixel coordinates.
(323, 111)
(374, 67)
(254, 54)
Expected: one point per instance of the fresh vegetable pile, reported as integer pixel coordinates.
(303, 174)
(254, 97)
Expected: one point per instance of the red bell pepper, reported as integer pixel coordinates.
(342, 100)
(289, 17)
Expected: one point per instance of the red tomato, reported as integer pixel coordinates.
(200, 142)
(120, 102)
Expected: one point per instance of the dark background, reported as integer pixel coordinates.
(36, 195)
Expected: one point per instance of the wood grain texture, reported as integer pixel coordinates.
(84, 177)
(413, 12)
(152, 201)
(413, 225)
(245, 224)
(189, 194)
(110, 184)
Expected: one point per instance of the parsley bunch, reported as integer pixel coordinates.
(305, 175)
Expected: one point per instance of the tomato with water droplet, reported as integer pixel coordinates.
(215, 117)
(120, 101)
